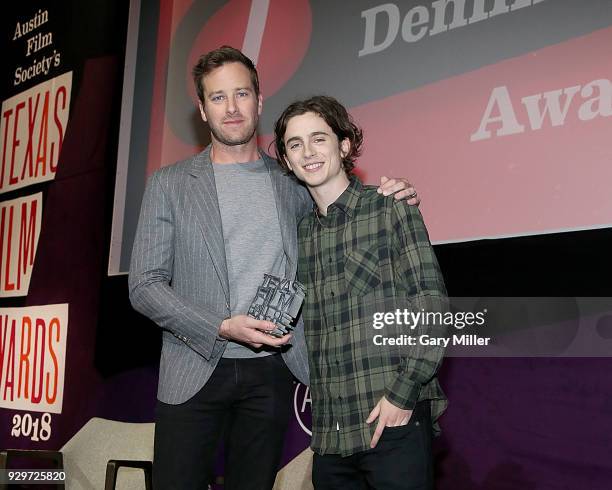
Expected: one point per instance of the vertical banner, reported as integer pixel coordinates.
(58, 98)
(34, 117)
(32, 130)
(33, 357)
(20, 222)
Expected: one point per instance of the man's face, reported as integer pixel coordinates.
(314, 153)
(231, 108)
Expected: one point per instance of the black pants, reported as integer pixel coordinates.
(248, 402)
(402, 460)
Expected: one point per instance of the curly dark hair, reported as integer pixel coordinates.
(336, 117)
(217, 58)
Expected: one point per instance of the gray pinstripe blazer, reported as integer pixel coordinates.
(178, 271)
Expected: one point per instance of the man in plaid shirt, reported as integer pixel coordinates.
(361, 255)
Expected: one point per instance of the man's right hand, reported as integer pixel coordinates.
(247, 330)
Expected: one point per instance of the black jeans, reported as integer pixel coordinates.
(248, 401)
(402, 460)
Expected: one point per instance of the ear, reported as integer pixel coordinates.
(345, 147)
(202, 112)
(259, 104)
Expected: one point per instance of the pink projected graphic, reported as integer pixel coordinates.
(500, 118)
(519, 147)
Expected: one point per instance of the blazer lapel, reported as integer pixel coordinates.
(207, 215)
(281, 184)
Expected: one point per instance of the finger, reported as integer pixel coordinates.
(260, 337)
(403, 183)
(377, 433)
(388, 184)
(413, 198)
(373, 414)
(276, 342)
(383, 181)
(282, 340)
(414, 201)
(268, 326)
(390, 189)
(262, 325)
(410, 194)
(404, 194)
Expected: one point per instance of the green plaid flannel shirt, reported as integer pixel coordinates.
(369, 254)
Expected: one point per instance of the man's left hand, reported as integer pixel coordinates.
(388, 416)
(400, 188)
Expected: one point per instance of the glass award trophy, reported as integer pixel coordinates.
(277, 300)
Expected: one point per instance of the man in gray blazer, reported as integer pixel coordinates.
(210, 227)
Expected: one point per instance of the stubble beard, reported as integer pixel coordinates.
(237, 140)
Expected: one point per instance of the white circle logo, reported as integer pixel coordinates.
(302, 405)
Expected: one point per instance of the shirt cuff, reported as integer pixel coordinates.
(403, 392)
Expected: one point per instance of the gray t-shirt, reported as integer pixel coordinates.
(251, 231)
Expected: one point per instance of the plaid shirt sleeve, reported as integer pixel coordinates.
(415, 263)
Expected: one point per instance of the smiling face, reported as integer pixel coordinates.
(231, 106)
(314, 153)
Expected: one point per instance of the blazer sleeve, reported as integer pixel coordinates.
(151, 275)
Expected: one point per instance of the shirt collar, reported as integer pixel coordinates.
(346, 202)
